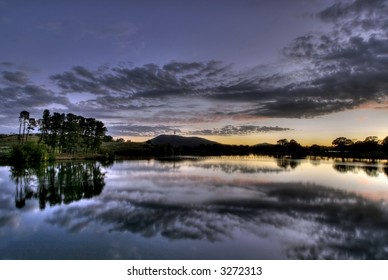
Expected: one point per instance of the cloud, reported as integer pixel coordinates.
(78, 80)
(151, 131)
(230, 168)
(181, 67)
(148, 81)
(142, 130)
(19, 93)
(348, 63)
(15, 77)
(230, 130)
(336, 70)
(341, 11)
(340, 68)
(29, 97)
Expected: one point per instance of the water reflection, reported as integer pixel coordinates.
(310, 221)
(62, 182)
(337, 224)
(369, 169)
(287, 163)
(232, 168)
(277, 208)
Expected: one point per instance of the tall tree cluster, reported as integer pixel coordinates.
(64, 133)
(26, 125)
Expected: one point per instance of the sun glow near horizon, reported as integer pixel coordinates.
(354, 124)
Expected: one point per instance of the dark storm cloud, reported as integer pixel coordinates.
(237, 130)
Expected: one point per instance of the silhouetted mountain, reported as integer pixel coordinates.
(265, 144)
(176, 140)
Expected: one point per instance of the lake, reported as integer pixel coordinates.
(204, 208)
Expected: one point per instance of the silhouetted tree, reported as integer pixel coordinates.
(71, 133)
(371, 146)
(283, 142)
(315, 150)
(384, 145)
(24, 118)
(342, 142)
(44, 126)
(30, 127)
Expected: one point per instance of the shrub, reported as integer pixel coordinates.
(30, 153)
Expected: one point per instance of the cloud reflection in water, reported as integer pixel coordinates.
(199, 202)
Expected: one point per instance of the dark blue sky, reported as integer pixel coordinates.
(233, 70)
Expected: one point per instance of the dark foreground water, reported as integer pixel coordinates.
(217, 208)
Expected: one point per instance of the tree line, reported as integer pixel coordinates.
(370, 148)
(63, 133)
(70, 133)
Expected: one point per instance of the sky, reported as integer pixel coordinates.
(233, 71)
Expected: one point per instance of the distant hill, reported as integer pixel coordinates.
(176, 140)
(263, 145)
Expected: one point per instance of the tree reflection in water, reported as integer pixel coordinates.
(213, 202)
(62, 182)
(370, 170)
(288, 163)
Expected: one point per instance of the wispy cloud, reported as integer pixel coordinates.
(142, 130)
(148, 81)
(230, 130)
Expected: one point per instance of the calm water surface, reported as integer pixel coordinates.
(214, 208)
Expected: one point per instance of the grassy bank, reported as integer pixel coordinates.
(10, 143)
(6, 144)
